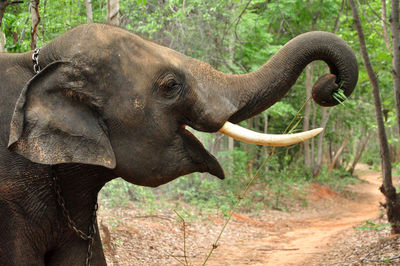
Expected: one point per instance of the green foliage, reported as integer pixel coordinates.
(337, 179)
(287, 186)
(239, 36)
(13, 24)
(206, 191)
(119, 192)
(371, 226)
(371, 156)
(339, 96)
(396, 170)
(116, 193)
(282, 109)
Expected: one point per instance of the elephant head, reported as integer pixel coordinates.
(108, 97)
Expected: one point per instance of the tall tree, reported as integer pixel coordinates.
(324, 122)
(392, 199)
(307, 108)
(2, 42)
(3, 6)
(324, 112)
(113, 12)
(384, 26)
(34, 7)
(307, 113)
(89, 10)
(359, 151)
(395, 28)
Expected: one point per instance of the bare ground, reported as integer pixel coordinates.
(322, 234)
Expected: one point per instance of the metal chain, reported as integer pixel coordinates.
(35, 60)
(71, 224)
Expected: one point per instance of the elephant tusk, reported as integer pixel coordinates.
(248, 136)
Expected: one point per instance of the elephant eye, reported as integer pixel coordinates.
(168, 86)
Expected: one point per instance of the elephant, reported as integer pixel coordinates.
(99, 102)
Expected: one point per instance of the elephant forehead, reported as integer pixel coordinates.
(152, 53)
(148, 56)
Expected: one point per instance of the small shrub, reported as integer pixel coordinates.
(371, 226)
(117, 193)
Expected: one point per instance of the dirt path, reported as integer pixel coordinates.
(273, 238)
(303, 237)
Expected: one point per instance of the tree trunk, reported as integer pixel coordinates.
(384, 27)
(113, 12)
(325, 114)
(338, 153)
(325, 119)
(3, 6)
(361, 147)
(2, 42)
(392, 199)
(35, 22)
(313, 125)
(89, 10)
(307, 108)
(395, 27)
(22, 35)
(307, 112)
(265, 130)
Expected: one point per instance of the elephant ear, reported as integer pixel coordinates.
(56, 120)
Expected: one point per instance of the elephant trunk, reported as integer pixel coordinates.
(273, 80)
(238, 97)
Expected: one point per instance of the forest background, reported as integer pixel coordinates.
(238, 36)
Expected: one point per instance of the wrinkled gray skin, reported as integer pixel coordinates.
(108, 103)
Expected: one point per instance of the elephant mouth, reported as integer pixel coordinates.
(204, 160)
(208, 163)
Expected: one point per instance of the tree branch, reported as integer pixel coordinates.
(387, 183)
(35, 22)
(384, 26)
(239, 18)
(15, 2)
(376, 14)
(395, 27)
(337, 21)
(369, 21)
(284, 19)
(3, 6)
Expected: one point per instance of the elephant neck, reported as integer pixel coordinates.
(16, 61)
(79, 186)
(16, 69)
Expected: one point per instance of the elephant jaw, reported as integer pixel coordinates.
(248, 136)
(204, 161)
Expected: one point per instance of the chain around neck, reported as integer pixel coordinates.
(71, 223)
(35, 60)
